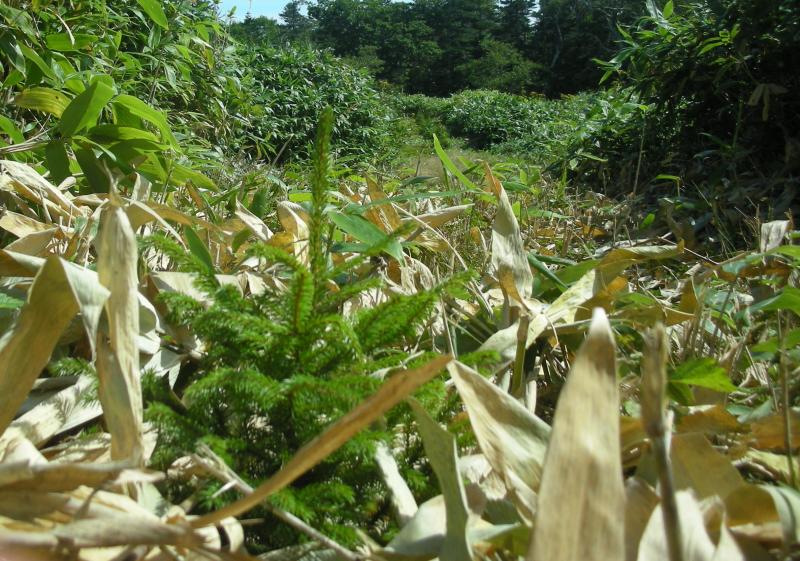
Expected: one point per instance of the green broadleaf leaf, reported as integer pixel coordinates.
(10, 128)
(63, 41)
(773, 345)
(85, 109)
(367, 232)
(139, 108)
(199, 249)
(107, 132)
(32, 56)
(181, 174)
(57, 161)
(787, 299)
(95, 176)
(43, 99)
(154, 10)
(704, 373)
(451, 167)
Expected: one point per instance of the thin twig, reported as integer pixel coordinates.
(658, 428)
(787, 412)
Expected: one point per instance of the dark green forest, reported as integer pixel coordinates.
(440, 279)
(442, 47)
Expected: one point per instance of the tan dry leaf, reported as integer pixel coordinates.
(384, 215)
(388, 395)
(140, 214)
(122, 529)
(563, 310)
(773, 234)
(713, 419)
(253, 223)
(404, 505)
(581, 506)
(697, 466)
(117, 354)
(55, 414)
(640, 501)
(512, 438)
(21, 225)
(508, 248)
(696, 544)
(59, 290)
(39, 244)
(172, 214)
(294, 220)
(19, 265)
(769, 433)
(19, 177)
(442, 216)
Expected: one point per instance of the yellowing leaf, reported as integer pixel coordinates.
(42, 99)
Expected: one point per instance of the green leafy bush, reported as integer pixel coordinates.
(726, 108)
(157, 89)
(294, 83)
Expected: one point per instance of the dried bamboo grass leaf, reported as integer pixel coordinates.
(769, 433)
(580, 514)
(403, 503)
(772, 234)
(21, 225)
(253, 223)
(16, 173)
(442, 216)
(423, 536)
(140, 214)
(698, 466)
(508, 248)
(19, 265)
(697, 545)
(440, 448)
(504, 341)
(513, 439)
(65, 477)
(118, 356)
(126, 529)
(388, 395)
(640, 501)
(787, 504)
(59, 291)
(384, 216)
(37, 243)
(295, 221)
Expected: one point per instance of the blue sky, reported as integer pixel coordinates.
(269, 8)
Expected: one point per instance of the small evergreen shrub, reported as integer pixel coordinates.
(280, 366)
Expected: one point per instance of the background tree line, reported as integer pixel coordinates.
(437, 47)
